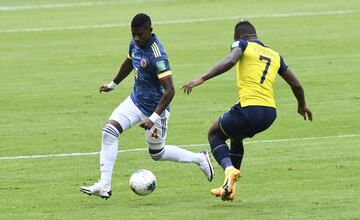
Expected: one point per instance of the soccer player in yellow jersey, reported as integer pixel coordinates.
(257, 67)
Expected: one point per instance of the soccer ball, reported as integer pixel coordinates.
(142, 182)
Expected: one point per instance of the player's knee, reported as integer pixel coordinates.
(109, 133)
(116, 125)
(215, 131)
(156, 154)
(156, 150)
(211, 133)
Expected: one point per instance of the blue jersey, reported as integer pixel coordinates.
(150, 64)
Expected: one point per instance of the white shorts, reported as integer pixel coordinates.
(127, 114)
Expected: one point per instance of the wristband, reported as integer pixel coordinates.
(154, 117)
(112, 85)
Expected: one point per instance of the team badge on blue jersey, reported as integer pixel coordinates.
(143, 63)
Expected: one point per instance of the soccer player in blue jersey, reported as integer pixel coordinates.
(257, 66)
(148, 105)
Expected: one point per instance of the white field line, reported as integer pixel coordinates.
(181, 21)
(183, 146)
(71, 5)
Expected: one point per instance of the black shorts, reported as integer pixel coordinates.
(243, 122)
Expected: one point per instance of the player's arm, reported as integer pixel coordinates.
(125, 69)
(298, 91)
(167, 83)
(221, 67)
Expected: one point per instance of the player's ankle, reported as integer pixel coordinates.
(228, 169)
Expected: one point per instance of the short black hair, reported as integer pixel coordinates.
(141, 20)
(245, 27)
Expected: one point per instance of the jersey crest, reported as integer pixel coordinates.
(143, 63)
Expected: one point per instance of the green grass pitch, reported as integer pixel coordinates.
(55, 54)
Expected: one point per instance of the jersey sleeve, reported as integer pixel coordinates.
(240, 43)
(162, 67)
(130, 50)
(283, 66)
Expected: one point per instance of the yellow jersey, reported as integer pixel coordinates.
(256, 72)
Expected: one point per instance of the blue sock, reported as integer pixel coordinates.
(236, 152)
(220, 151)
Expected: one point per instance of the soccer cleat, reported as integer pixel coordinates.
(229, 197)
(217, 191)
(227, 191)
(206, 166)
(97, 190)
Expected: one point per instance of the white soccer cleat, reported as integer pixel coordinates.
(206, 166)
(97, 189)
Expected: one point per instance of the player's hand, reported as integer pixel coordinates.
(147, 124)
(104, 88)
(305, 112)
(190, 85)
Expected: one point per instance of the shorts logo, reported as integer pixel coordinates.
(143, 63)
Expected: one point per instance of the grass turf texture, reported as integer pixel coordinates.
(50, 105)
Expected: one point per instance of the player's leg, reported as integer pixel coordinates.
(122, 118)
(232, 124)
(236, 152)
(159, 151)
(221, 153)
(108, 155)
(239, 123)
(236, 155)
(109, 151)
(219, 148)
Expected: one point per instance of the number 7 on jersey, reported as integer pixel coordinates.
(268, 62)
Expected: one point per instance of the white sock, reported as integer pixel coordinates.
(173, 153)
(108, 153)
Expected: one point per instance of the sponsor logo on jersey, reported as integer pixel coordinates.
(143, 63)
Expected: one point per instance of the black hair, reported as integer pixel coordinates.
(245, 27)
(141, 20)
